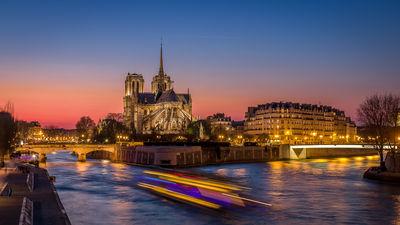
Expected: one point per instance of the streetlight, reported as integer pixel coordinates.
(221, 137)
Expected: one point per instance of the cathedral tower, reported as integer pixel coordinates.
(161, 82)
(161, 111)
(134, 84)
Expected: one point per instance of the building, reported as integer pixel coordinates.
(287, 122)
(160, 111)
(223, 128)
(219, 122)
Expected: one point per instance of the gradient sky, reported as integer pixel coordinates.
(60, 60)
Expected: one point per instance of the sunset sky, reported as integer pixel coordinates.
(60, 60)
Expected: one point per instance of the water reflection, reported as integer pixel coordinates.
(317, 191)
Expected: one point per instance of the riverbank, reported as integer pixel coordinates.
(391, 172)
(294, 188)
(192, 156)
(28, 196)
(375, 173)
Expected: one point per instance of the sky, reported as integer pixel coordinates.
(60, 60)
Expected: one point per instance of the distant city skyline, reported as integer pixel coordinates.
(63, 60)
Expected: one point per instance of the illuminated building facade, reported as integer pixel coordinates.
(292, 123)
(219, 121)
(160, 111)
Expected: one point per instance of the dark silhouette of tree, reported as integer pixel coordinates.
(8, 131)
(379, 115)
(23, 128)
(263, 138)
(85, 127)
(116, 116)
(108, 129)
(193, 129)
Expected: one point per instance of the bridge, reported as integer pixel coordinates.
(120, 151)
(320, 151)
(80, 149)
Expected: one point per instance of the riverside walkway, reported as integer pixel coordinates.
(33, 198)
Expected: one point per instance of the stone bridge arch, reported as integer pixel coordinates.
(80, 149)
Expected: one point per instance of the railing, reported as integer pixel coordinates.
(26, 216)
(60, 205)
(30, 181)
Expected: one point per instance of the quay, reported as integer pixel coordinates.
(28, 196)
(189, 156)
(197, 155)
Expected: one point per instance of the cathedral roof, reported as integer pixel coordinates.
(185, 98)
(146, 98)
(168, 96)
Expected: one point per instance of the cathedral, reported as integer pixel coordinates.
(161, 111)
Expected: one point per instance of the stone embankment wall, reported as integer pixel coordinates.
(32, 198)
(326, 152)
(215, 155)
(185, 156)
(392, 162)
(309, 152)
(99, 155)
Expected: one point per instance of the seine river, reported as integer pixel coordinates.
(323, 191)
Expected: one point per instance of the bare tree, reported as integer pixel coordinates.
(379, 114)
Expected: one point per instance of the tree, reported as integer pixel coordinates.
(196, 127)
(85, 127)
(23, 128)
(8, 131)
(248, 137)
(116, 116)
(379, 116)
(263, 137)
(109, 129)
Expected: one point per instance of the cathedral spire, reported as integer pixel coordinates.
(161, 71)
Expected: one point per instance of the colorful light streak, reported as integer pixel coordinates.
(195, 190)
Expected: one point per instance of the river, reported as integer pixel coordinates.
(320, 191)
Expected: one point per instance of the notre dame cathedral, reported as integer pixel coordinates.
(161, 111)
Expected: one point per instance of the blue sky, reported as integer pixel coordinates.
(231, 54)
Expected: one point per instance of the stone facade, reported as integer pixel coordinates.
(219, 121)
(295, 123)
(161, 111)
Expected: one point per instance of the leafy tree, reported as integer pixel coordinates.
(108, 129)
(85, 127)
(379, 116)
(248, 137)
(193, 129)
(8, 130)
